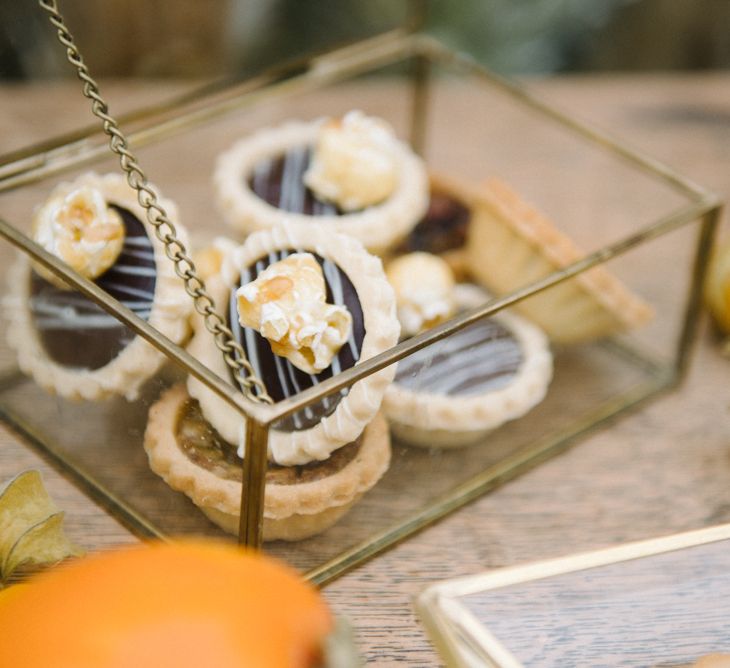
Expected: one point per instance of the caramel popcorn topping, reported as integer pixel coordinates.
(287, 305)
(424, 291)
(80, 229)
(354, 163)
(208, 260)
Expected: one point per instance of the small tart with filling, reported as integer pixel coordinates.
(454, 392)
(300, 501)
(443, 228)
(510, 244)
(353, 279)
(68, 343)
(261, 181)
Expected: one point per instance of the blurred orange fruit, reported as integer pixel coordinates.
(185, 605)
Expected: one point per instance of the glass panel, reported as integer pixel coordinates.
(664, 610)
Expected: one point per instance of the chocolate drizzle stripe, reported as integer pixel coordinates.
(128, 289)
(320, 208)
(484, 357)
(134, 241)
(282, 378)
(92, 321)
(136, 271)
(291, 178)
(261, 174)
(137, 254)
(498, 364)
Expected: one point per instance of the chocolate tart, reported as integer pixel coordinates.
(353, 278)
(443, 229)
(453, 393)
(510, 244)
(259, 184)
(300, 501)
(68, 343)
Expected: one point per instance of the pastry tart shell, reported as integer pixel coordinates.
(510, 245)
(291, 511)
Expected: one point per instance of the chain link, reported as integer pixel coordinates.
(252, 386)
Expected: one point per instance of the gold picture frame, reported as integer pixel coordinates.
(464, 640)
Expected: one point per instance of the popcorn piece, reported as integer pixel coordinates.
(287, 304)
(208, 260)
(354, 162)
(424, 291)
(80, 229)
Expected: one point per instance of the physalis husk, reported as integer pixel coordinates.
(31, 527)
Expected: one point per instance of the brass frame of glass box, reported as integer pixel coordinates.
(80, 148)
(452, 627)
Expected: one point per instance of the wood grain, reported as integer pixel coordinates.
(661, 470)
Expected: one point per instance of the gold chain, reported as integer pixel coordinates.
(252, 386)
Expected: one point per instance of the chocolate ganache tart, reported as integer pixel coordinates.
(354, 281)
(303, 307)
(454, 392)
(64, 340)
(443, 228)
(350, 174)
(300, 501)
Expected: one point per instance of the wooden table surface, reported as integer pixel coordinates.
(661, 470)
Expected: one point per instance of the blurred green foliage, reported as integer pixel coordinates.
(195, 38)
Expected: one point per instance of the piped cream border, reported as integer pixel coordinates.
(381, 332)
(126, 373)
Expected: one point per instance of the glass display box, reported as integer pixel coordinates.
(651, 227)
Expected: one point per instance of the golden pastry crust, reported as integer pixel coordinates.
(441, 420)
(377, 301)
(138, 361)
(377, 227)
(510, 244)
(291, 511)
